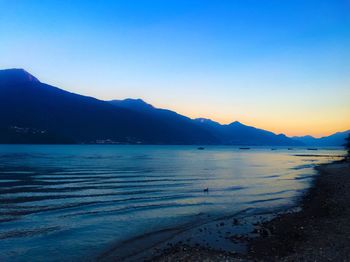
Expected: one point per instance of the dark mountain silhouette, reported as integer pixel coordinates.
(235, 133)
(16, 76)
(34, 112)
(171, 119)
(39, 112)
(134, 104)
(337, 139)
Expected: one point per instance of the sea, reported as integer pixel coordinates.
(93, 202)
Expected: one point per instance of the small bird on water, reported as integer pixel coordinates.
(206, 190)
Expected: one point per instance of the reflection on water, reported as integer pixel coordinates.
(69, 202)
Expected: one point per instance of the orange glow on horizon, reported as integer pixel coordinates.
(315, 125)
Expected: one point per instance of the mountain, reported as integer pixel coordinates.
(171, 119)
(34, 112)
(237, 133)
(307, 140)
(134, 104)
(336, 139)
(16, 76)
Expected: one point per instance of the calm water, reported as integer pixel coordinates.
(73, 203)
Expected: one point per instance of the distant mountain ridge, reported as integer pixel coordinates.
(336, 139)
(235, 133)
(34, 112)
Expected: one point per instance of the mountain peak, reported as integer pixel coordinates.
(134, 103)
(236, 123)
(135, 100)
(16, 75)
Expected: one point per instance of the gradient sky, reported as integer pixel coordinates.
(279, 65)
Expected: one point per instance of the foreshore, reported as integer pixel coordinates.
(319, 232)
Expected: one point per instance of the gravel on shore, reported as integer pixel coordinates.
(319, 232)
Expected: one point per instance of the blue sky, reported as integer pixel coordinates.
(278, 65)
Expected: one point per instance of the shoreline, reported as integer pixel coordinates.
(318, 232)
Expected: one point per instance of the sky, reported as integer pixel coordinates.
(279, 65)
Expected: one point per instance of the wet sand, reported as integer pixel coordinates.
(319, 232)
